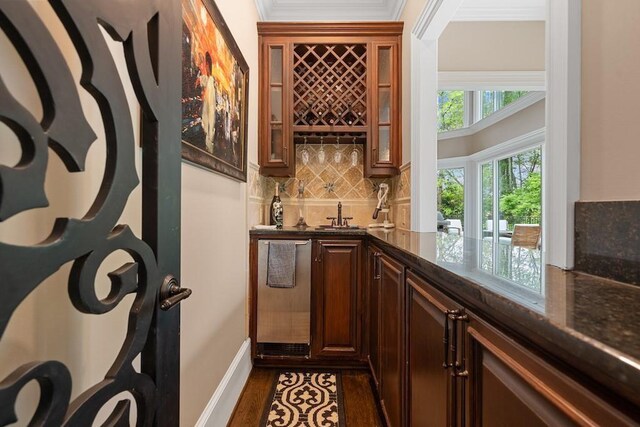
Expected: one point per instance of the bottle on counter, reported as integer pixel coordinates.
(276, 211)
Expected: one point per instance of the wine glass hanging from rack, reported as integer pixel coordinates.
(330, 85)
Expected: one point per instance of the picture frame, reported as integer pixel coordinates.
(215, 87)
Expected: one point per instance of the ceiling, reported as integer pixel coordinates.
(391, 10)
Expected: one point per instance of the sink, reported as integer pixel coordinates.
(337, 228)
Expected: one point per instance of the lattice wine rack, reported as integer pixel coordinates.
(330, 86)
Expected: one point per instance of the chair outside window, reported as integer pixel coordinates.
(454, 225)
(526, 236)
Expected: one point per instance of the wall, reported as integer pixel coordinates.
(520, 123)
(610, 93)
(491, 46)
(214, 245)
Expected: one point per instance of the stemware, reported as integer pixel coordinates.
(337, 156)
(354, 154)
(304, 153)
(322, 156)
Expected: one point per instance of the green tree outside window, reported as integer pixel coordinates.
(450, 110)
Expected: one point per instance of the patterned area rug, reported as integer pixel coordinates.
(306, 399)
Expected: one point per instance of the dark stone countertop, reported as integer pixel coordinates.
(589, 324)
(308, 232)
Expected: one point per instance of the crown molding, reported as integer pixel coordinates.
(262, 11)
(397, 9)
(501, 10)
(343, 29)
(329, 10)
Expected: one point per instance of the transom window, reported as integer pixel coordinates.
(451, 110)
(458, 109)
(494, 100)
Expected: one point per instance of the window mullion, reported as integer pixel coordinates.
(477, 106)
(496, 216)
(469, 109)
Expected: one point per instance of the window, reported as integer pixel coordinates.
(451, 110)
(451, 195)
(520, 188)
(459, 109)
(511, 192)
(493, 100)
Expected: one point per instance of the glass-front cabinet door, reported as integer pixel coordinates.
(276, 139)
(384, 152)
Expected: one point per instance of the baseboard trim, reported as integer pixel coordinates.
(220, 407)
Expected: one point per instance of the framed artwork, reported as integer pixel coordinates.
(215, 81)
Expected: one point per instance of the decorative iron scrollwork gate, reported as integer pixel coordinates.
(149, 31)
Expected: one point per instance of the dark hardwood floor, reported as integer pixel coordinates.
(359, 404)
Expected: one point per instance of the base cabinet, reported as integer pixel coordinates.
(391, 337)
(434, 393)
(508, 385)
(434, 362)
(373, 285)
(336, 307)
(461, 371)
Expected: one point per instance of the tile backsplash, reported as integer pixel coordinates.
(327, 183)
(330, 179)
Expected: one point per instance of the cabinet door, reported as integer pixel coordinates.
(277, 154)
(384, 152)
(433, 393)
(337, 286)
(511, 386)
(392, 340)
(373, 282)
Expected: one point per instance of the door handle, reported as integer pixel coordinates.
(445, 341)
(171, 293)
(458, 369)
(377, 274)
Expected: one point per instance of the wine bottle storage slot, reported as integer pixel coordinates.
(330, 85)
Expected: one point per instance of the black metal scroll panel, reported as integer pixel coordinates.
(91, 239)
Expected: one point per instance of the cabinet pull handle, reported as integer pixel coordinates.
(458, 371)
(319, 253)
(445, 342)
(376, 266)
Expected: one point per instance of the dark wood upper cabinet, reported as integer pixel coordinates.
(275, 151)
(392, 321)
(383, 156)
(337, 79)
(336, 320)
